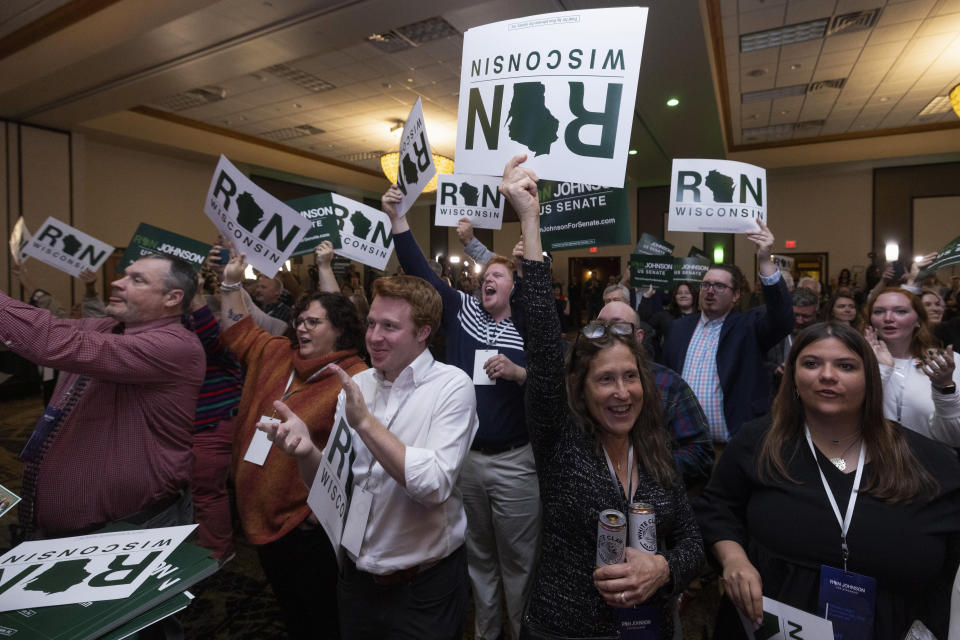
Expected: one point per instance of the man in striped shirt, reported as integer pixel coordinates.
(499, 479)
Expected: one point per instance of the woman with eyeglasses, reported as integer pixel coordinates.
(295, 553)
(599, 444)
(827, 492)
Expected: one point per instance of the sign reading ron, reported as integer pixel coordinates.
(473, 197)
(257, 224)
(718, 196)
(148, 240)
(365, 233)
(559, 87)
(332, 488)
(416, 160)
(67, 249)
(102, 566)
(582, 215)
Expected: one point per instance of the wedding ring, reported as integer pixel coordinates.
(623, 600)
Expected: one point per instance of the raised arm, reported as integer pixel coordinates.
(471, 246)
(233, 309)
(777, 323)
(324, 256)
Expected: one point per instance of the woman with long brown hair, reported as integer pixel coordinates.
(842, 307)
(599, 444)
(919, 379)
(827, 482)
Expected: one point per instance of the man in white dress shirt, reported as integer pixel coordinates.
(415, 419)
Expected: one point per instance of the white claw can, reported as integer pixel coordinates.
(611, 537)
(642, 527)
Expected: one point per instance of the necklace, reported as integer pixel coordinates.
(839, 461)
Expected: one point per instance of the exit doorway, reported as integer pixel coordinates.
(588, 277)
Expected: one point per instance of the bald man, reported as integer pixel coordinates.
(682, 415)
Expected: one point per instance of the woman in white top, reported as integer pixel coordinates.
(919, 379)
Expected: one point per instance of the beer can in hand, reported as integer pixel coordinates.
(611, 537)
(642, 531)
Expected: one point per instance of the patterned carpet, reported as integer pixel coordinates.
(236, 603)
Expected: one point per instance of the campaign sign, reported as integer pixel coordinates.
(947, 256)
(651, 245)
(783, 263)
(783, 622)
(149, 240)
(559, 87)
(257, 224)
(576, 215)
(365, 233)
(318, 209)
(696, 252)
(473, 197)
(416, 160)
(67, 249)
(19, 237)
(101, 566)
(332, 487)
(689, 270)
(718, 196)
(651, 270)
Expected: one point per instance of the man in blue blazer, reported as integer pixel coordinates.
(720, 351)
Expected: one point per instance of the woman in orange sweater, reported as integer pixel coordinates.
(295, 553)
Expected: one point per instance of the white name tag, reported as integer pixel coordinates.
(260, 445)
(357, 518)
(479, 359)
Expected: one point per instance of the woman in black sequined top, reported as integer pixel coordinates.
(600, 409)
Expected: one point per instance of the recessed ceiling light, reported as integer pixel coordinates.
(672, 102)
(409, 79)
(632, 152)
(297, 105)
(796, 67)
(784, 112)
(884, 99)
(752, 116)
(756, 73)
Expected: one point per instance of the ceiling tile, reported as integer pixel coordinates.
(905, 12)
(850, 6)
(804, 10)
(831, 72)
(893, 33)
(761, 20)
(947, 6)
(887, 51)
(940, 24)
(838, 58)
(845, 42)
(795, 71)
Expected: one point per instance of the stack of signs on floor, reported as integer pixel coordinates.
(560, 87)
(574, 215)
(148, 240)
(476, 198)
(67, 249)
(716, 196)
(158, 590)
(259, 226)
(652, 264)
(416, 167)
(319, 210)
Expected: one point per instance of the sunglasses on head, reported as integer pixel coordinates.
(597, 329)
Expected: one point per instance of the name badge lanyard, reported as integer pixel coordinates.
(613, 474)
(287, 394)
(496, 336)
(845, 520)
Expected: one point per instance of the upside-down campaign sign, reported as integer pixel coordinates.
(101, 566)
(416, 160)
(719, 196)
(67, 249)
(474, 197)
(365, 233)
(576, 215)
(559, 87)
(149, 240)
(332, 488)
(257, 224)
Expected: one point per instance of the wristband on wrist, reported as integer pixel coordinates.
(946, 389)
(231, 286)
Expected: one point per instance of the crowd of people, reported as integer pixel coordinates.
(775, 444)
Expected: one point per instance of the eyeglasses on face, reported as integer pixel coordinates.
(719, 287)
(599, 329)
(312, 323)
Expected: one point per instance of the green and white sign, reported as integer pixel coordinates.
(689, 270)
(332, 489)
(947, 256)
(717, 196)
(257, 224)
(103, 566)
(70, 250)
(574, 215)
(651, 270)
(783, 622)
(651, 245)
(319, 210)
(696, 252)
(365, 233)
(559, 87)
(416, 160)
(149, 240)
(474, 197)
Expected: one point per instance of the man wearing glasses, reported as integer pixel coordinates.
(719, 351)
